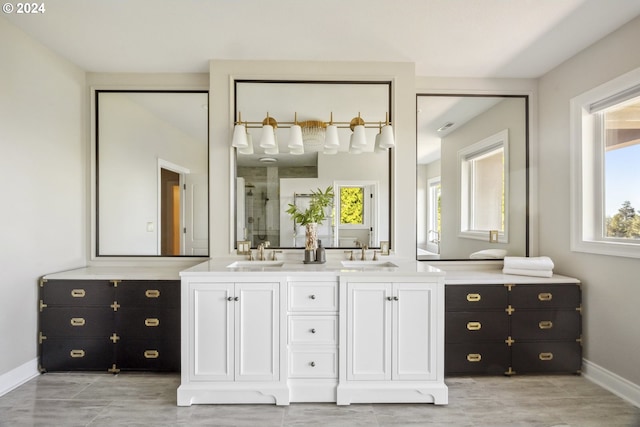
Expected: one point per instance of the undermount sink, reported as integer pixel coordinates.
(245, 264)
(368, 264)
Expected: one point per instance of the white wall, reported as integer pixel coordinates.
(43, 162)
(611, 288)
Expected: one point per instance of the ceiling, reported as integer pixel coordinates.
(453, 38)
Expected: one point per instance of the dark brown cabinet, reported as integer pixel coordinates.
(513, 329)
(109, 325)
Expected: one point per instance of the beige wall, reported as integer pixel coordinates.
(611, 285)
(43, 162)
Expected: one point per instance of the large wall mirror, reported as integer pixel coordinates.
(472, 177)
(152, 173)
(268, 180)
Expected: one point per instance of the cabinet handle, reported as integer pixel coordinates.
(312, 364)
(78, 293)
(545, 324)
(545, 296)
(151, 354)
(313, 330)
(76, 353)
(474, 357)
(545, 356)
(474, 326)
(77, 321)
(312, 296)
(229, 298)
(389, 299)
(152, 293)
(473, 297)
(151, 322)
(236, 298)
(395, 298)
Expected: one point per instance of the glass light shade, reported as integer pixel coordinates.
(331, 140)
(359, 137)
(273, 150)
(249, 148)
(295, 138)
(268, 137)
(386, 137)
(239, 136)
(354, 149)
(376, 147)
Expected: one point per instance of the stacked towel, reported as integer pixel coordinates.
(528, 266)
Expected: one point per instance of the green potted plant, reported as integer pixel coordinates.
(313, 215)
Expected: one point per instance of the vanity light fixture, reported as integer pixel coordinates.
(296, 144)
(239, 134)
(268, 138)
(249, 148)
(312, 134)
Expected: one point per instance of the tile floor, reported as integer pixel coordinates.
(134, 399)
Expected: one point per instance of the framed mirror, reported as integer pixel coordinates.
(472, 177)
(151, 173)
(269, 180)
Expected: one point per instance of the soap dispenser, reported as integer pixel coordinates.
(320, 253)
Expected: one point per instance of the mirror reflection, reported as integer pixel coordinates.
(472, 189)
(268, 180)
(151, 173)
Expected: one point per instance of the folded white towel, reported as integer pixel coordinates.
(489, 254)
(523, 272)
(528, 263)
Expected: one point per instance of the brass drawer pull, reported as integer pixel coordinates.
(545, 296)
(545, 324)
(151, 354)
(76, 353)
(78, 293)
(474, 326)
(152, 293)
(545, 356)
(151, 322)
(473, 297)
(77, 321)
(474, 357)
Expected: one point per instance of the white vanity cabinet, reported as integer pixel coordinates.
(392, 341)
(232, 350)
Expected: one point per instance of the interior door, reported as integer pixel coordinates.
(196, 220)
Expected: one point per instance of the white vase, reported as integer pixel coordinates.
(311, 236)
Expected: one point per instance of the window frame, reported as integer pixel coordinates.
(465, 210)
(587, 202)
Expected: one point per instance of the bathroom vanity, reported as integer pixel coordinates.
(281, 332)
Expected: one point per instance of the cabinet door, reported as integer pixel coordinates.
(256, 331)
(414, 331)
(369, 331)
(211, 329)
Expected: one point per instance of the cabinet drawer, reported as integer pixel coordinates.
(149, 293)
(552, 357)
(149, 322)
(462, 326)
(148, 354)
(545, 296)
(546, 325)
(313, 296)
(313, 363)
(477, 358)
(76, 354)
(77, 322)
(475, 297)
(313, 330)
(77, 292)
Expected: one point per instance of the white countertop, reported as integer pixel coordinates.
(333, 267)
(119, 273)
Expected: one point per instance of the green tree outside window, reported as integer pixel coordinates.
(351, 205)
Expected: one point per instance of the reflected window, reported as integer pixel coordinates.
(482, 176)
(351, 205)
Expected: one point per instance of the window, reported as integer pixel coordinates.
(482, 170)
(605, 190)
(434, 215)
(351, 205)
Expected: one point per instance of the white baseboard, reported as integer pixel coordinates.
(18, 376)
(612, 382)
